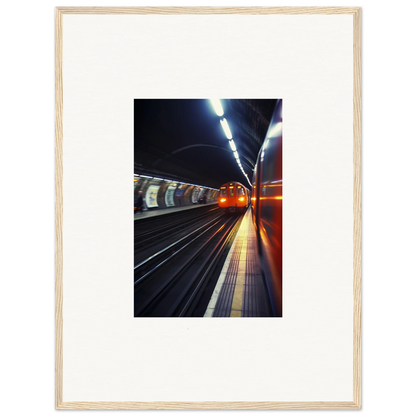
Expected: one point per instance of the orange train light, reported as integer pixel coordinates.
(223, 199)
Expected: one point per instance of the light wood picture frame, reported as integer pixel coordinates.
(60, 207)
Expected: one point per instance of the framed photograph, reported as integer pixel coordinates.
(208, 208)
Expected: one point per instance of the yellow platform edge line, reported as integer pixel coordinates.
(237, 303)
(209, 313)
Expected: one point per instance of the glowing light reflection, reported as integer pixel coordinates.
(226, 128)
(216, 103)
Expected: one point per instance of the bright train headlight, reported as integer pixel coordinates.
(223, 199)
(241, 199)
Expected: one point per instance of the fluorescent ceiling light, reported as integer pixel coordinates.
(235, 155)
(216, 103)
(227, 130)
(232, 144)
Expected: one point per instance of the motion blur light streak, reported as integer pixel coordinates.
(270, 197)
(174, 183)
(275, 130)
(232, 144)
(226, 128)
(216, 103)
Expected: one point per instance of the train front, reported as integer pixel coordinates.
(233, 197)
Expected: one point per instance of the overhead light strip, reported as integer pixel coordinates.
(216, 103)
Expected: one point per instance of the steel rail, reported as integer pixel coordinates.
(187, 264)
(215, 253)
(218, 219)
(156, 233)
(210, 261)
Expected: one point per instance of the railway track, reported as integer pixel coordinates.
(178, 279)
(151, 235)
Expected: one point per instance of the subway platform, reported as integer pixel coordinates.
(241, 290)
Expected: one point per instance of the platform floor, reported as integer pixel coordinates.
(241, 290)
(155, 212)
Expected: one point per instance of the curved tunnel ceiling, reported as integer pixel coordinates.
(182, 139)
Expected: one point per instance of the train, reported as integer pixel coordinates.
(234, 197)
(267, 205)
